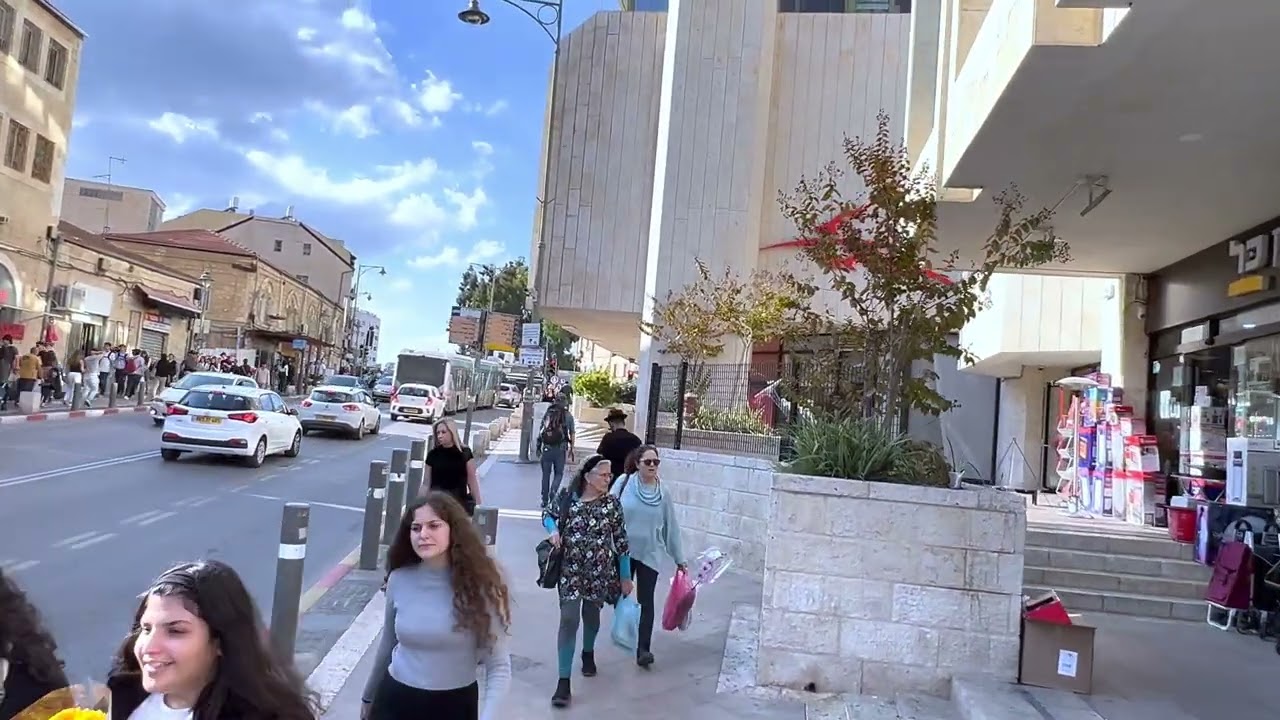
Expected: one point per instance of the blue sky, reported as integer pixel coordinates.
(389, 124)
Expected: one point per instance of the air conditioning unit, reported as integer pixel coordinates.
(103, 265)
(67, 297)
(4, 219)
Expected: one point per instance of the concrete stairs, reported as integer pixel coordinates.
(1129, 573)
(971, 699)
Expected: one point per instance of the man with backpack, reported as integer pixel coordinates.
(555, 447)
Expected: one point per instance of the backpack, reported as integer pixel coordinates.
(553, 428)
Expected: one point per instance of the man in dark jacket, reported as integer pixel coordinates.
(618, 443)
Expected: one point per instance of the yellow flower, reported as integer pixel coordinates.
(79, 714)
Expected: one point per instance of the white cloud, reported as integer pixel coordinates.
(306, 34)
(181, 128)
(467, 206)
(356, 19)
(280, 135)
(419, 210)
(403, 111)
(401, 285)
(451, 256)
(481, 147)
(447, 255)
(177, 205)
(435, 95)
(80, 121)
(261, 117)
(302, 179)
(484, 251)
(497, 107)
(356, 120)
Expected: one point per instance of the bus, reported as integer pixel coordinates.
(452, 373)
(488, 376)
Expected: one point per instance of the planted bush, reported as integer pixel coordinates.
(597, 387)
(854, 447)
(745, 422)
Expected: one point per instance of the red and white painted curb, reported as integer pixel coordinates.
(69, 415)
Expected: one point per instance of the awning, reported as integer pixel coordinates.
(290, 337)
(170, 301)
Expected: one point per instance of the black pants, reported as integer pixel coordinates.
(646, 580)
(396, 701)
(103, 379)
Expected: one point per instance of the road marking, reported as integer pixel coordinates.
(17, 566)
(59, 472)
(140, 517)
(92, 541)
(332, 672)
(157, 518)
(265, 478)
(74, 539)
(520, 514)
(195, 502)
(335, 506)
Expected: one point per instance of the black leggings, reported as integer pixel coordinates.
(394, 700)
(646, 580)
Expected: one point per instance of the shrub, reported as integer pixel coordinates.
(745, 422)
(597, 387)
(625, 393)
(861, 449)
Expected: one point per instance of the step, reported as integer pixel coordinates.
(1126, 564)
(1121, 603)
(1113, 544)
(1108, 582)
(903, 707)
(988, 700)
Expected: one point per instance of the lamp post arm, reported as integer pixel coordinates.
(552, 27)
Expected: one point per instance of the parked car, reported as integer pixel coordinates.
(237, 420)
(345, 381)
(342, 409)
(414, 401)
(383, 388)
(171, 395)
(509, 396)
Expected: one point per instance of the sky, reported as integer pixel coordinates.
(389, 124)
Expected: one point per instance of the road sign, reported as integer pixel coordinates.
(532, 356)
(299, 344)
(531, 334)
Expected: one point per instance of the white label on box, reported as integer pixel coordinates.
(1067, 663)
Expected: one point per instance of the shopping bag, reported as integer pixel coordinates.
(550, 560)
(679, 601)
(626, 624)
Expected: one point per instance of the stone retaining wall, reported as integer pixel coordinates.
(721, 500)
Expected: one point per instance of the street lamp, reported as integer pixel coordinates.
(206, 281)
(355, 305)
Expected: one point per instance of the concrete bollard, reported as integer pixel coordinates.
(373, 501)
(395, 494)
(466, 436)
(417, 470)
(111, 390)
(142, 392)
(481, 445)
(77, 396)
(486, 523)
(288, 593)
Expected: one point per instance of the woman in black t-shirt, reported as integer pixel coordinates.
(451, 468)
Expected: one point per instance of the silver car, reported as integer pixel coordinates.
(509, 396)
(384, 388)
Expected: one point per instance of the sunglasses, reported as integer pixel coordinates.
(651, 462)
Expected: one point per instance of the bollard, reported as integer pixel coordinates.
(373, 500)
(111, 389)
(77, 396)
(417, 470)
(288, 593)
(466, 435)
(142, 392)
(526, 433)
(395, 494)
(486, 523)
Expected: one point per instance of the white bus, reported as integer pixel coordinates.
(488, 376)
(452, 373)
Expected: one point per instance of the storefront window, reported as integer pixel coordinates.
(1192, 394)
(1254, 385)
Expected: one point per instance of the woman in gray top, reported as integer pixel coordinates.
(448, 610)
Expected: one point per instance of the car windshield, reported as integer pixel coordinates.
(506, 388)
(386, 381)
(412, 391)
(217, 400)
(330, 396)
(196, 380)
(343, 381)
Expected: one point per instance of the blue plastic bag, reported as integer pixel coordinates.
(626, 624)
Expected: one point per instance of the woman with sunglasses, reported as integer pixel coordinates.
(652, 531)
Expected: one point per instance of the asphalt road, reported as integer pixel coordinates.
(90, 515)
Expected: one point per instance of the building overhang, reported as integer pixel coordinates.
(172, 304)
(616, 331)
(1010, 364)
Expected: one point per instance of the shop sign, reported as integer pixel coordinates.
(155, 322)
(13, 330)
(1256, 261)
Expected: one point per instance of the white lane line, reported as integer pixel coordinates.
(201, 501)
(265, 478)
(157, 518)
(335, 506)
(74, 539)
(520, 514)
(140, 517)
(71, 470)
(92, 541)
(16, 566)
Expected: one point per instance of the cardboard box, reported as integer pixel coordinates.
(1057, 656)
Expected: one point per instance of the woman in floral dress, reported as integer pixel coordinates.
(586, 521)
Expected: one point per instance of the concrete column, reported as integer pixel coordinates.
(1125, 349)
(922, 73)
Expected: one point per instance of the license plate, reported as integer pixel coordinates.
(411, 411)
(326, 417)
(207, 420)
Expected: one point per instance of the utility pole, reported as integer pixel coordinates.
(106, 202)
(54, 242)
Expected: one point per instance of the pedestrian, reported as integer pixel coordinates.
(30, 670)
(8, 366)
(92, 361)
(618, 443)
(120, 363)
(448, 610)
(451, 468)
(29, 371)
(555, 448)
(48, 367)
(586, 522)
(197, 651)
(106, 366)
(652, 531)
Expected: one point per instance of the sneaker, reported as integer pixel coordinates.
(588, 664)
(563, 696)
(644, 658)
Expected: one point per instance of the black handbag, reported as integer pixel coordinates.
(551, 557)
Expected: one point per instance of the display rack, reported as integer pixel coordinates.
(1070, 478)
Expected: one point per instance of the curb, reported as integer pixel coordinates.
(314, 594)
(69, 415)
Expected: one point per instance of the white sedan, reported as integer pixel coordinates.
(173, 394)
(245, 422)
(343, 409)
(414, 401)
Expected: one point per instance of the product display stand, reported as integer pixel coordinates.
(1072, 474)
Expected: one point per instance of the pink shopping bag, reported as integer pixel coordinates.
(679, 601)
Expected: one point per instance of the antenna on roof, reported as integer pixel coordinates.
(106, 205)
(235, 204)
(288, 212)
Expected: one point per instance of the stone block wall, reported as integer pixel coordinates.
(721, 500)
(879, 588)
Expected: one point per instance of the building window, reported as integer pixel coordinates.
(7, 19)
(15, 150)
(304, 279)
(29, 52)
(279, 245)
(55, 66)
(42, 165)
(844, 6)
(306, 248)
(100, 194)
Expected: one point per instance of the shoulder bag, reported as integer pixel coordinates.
(551, 557)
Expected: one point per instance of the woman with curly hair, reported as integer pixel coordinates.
(29, 665)
(448, 610)
(197, 651)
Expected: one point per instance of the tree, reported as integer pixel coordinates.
(880, 252)
(510, 284)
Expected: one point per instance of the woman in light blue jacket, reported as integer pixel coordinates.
(652, 531)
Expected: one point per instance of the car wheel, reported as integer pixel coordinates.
(360, 431)
(377, 426)
(158, 421)
(170, 455)
(259, 455)
(296, 448)
(395, 418)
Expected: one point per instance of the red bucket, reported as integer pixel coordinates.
(1182, 524)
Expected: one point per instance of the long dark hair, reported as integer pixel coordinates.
(249, 682)
(479, 591)
(579, 481)
(633, 458)
(23, 637)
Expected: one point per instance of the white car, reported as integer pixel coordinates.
(245, 422)
(415, 401)
(345, 409)
(509, 396)
(173, 394)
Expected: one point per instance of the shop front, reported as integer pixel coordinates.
(156, 329)
(11, 319)
(89, 309)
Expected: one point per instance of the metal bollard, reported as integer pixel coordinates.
(142, 391)
(288, 593)
(395, 494)
(466, 435)
(77, 396)
(526, 432)
(486, 523)
(417, 470)
(370, 537)
(111, 389)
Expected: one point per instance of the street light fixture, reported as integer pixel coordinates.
(473, 15)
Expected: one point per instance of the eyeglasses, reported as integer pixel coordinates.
(651, 462)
